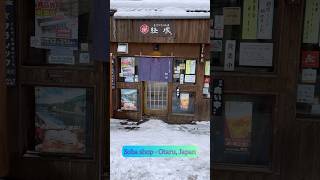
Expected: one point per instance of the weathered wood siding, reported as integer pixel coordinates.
(187, 31)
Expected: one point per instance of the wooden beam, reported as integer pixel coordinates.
(3, 125)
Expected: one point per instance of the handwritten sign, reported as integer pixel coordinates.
(250, 19)
(156, 28)
(265, 19)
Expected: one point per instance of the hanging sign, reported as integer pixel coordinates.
(156, 28)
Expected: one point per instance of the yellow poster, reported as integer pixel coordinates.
(311, 22)
(184, 101)
(250, 19)
(207, 69)
(191, 67)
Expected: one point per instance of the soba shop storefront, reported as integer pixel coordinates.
(161, 66)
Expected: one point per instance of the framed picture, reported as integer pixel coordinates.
(62, 120)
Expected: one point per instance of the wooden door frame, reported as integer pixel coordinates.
(3, 97)
(150, 112)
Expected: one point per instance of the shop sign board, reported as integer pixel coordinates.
(156, 28)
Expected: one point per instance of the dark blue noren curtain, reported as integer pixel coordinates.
(155, 69)
(100, 30)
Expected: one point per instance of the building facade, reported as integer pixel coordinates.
(165, 66)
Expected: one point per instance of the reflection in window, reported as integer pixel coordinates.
(242, 134)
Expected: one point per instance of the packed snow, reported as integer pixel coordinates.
(156, 132)
(164, 9)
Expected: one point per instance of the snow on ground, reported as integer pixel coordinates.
(156, 132)
(161, 9)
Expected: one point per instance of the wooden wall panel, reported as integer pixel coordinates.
(3, 94)
(187, 31)
(146, 49)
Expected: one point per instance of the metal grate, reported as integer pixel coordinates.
(157, 95)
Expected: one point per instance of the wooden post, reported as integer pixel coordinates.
(3, 125)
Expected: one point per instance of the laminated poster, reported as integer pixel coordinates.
(184, 101)
(250, 19)
(60, 120)
(56, 23)
(129, 99)
(128, 66)
(238, 126)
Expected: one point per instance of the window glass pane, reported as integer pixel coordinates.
(157, 96)
(308, 89)
(242, 35)
(59, 32)
(184, 71)
(183, 102)
(242, 134)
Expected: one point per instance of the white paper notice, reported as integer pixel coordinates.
(218, 22)
(305, 93)
(256, 54)
(190, 78)
(311, 22)
(309, 75)
(265, 19)
(229, 55)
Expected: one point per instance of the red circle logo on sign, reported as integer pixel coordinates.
(144, 29)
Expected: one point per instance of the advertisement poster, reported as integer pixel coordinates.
(60, 120)
(129, 99)
(310, 59)
(238, 125)
(127, 67)
(56, 24)
(184, 101)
